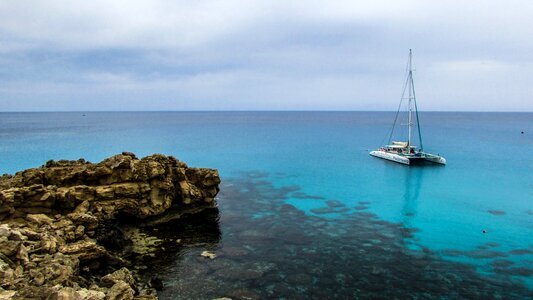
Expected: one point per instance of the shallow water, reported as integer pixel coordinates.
(315, 214)
(285, 253)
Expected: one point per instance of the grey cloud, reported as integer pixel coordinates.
(157, 55)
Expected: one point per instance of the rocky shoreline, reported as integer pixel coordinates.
(71, 229)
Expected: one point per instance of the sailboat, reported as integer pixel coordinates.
(405, 152)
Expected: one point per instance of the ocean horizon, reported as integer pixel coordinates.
(257, 110)
(304, 210)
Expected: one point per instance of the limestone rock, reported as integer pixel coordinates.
(67, 221)
(84, 206)
(68, 293)
(120, 291)
(39, 219)
(120, 275)
(83, 218)
(122, 183)
(208, 254)
(145, 297)
(5, 230)
(90, 294)
(84, 250)
(7, 274)
(5, 295)
(7, 247)
(49, 243)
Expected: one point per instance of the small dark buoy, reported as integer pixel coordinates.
(521, 132)
(484, 231)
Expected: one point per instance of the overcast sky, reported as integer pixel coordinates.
(264, 55)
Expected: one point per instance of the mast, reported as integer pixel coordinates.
(410, 83)
(412, 88)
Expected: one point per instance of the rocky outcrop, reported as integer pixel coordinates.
(62, 233)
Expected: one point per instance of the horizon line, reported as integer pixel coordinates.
(255, 110)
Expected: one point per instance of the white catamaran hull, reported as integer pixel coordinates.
(408, 160)
(390, 156)
(435, 158)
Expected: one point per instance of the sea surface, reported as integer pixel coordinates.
(304, 210)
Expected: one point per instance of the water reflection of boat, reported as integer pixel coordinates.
(412, 185)
(405, 152)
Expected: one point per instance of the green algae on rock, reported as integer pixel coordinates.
(62, 232)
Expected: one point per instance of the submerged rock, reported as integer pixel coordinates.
(208, 254)
(496, 212)
(69, 226)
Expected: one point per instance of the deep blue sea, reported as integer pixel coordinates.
(306, 212)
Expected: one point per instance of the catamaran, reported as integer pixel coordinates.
(405, 152)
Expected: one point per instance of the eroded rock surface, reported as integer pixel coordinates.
(63, 234)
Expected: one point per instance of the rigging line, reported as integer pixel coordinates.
(395, 120)
(417, 118)
(400, 105)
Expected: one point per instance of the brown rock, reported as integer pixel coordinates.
(68, 293)
(81, 193)
(105, 192)
(65, 293)
(37, 277)
(39, 219)
(84, 206)
(53, 212)
(7, 294)
(145, 297)
(7, 274)
(49, 243)
(120, 291)
(90, 294)
(16, 235)
(84, 250)
(9, 248)
(80, 230)
(22, 255)
(83, 218)
(142, 187)
(5, 230)
(120, 275)
(30, 234)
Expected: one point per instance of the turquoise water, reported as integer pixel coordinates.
(318, 164)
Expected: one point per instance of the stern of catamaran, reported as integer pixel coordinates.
(435, 159)
(424, 156)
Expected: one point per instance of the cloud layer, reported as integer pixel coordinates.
(247, 55)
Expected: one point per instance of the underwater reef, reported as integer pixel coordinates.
(266, 248)
(77, 230)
